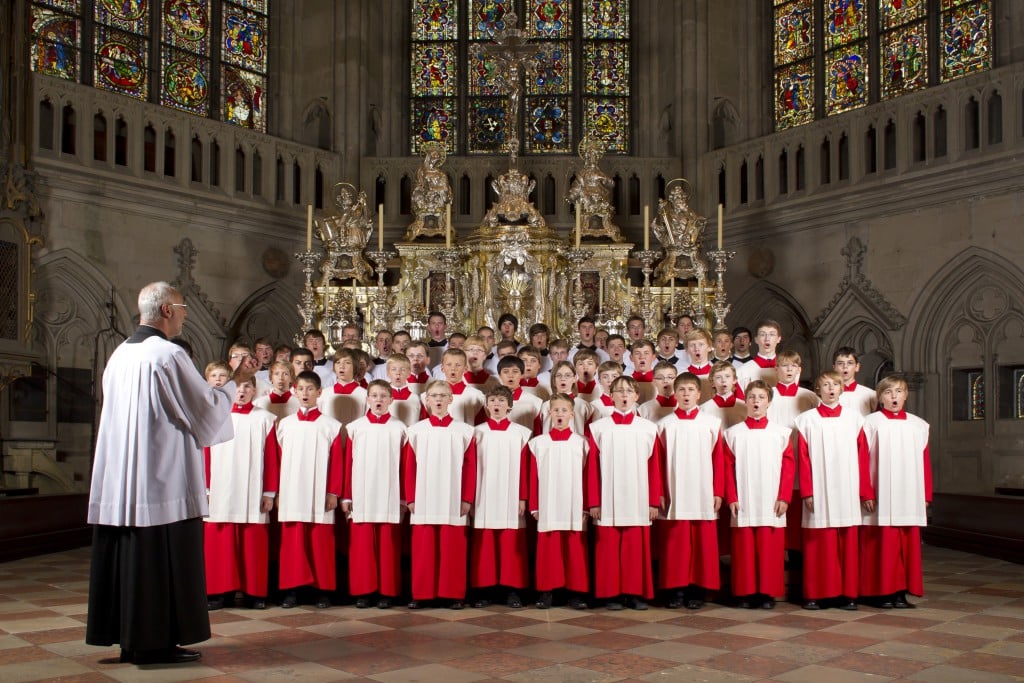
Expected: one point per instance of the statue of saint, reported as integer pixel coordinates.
(431, 195)
(680, 230)
(345, 233)
(591, 192)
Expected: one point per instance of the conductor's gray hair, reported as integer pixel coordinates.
(151, 298)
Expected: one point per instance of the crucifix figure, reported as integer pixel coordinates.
(511, 53)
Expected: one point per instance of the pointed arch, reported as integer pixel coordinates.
(768, 300)
(270, 311)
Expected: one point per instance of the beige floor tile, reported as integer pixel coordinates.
(913, 651)
(553, 631)
(817, 674)
(563, 673)
(952, 674)
(41, 669)
(677, 652)
(429, 672)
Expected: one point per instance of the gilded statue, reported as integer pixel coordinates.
(513, 205)
(680, 230)
(591, 192)
(345, 233)
(431, 195)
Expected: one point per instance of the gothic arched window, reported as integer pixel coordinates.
(831, 56)
(579, 85)
(208, 57)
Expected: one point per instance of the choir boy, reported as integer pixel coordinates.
(619, 353)
(531, 367)
(556, 461)
(723, 347)
(667, 351)
(900, 493)
(217, 373)
(833, 461)
(382, 349)
(477, 376)
(539, 336)
(563, 381)
(642, 355)
(603, 405)
(405, 405)
(372, 500)
(623, 494)
(741, 341)
(437, 328)
(236, 535)
(726, 404)
(467, 402)
(525, 407)
(346, 400)
(439, 486)
(855, 396)
(762, 366)
(315, 341)
(664, 401)
(280, 400)
(311, 474)
(758, 486)
(419, 359)
(498, 548)
(301, 360)
(693, 472)
(698, 348)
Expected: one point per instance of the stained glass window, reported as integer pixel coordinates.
(870, 50)
(580, 82)
(119, 52)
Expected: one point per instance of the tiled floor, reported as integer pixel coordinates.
(969, 628)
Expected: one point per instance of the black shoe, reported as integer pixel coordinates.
(544, 600)
(215, 603)
(415, 604)
(514, 601)
(746, 602)
(323, 602)
(636, 603)
(457, 605)
(481, 603)
(362, 603)
(812, 605)
(255, 602)
(174, 655)
(694, 603)
(384, 603)
(677, 601)
(577, 603)
(769, 603)
(899, 601)
(127, 657)
(887, 601)
(614, 606)
(848, 604)
(290, 600)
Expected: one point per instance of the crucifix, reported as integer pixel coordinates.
(512, 52)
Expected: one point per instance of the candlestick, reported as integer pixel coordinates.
(309, 227)
(448, 226)
(647, 227)
(578, 225)
(380, 227)
(720, 227)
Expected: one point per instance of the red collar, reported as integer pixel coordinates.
(825, 411)
(607, 400)
(458, 388)
(517, 394)
(377, 420)
(739, 393)
(764, 362)
(702, 371)
(787, 389)
(586, 387)
(902, 415)
(363, 383)
(643, 376)
(346, 389)
(440, 421)
(311, 416)
(529, 382)
(683, 415)
(280, 398)
(402, 394)
(479, 377)
(421, 378)
(666, 401)
(499, 426)
(622, 419)
(727, 402)
(560, 434)
(242, 410)
(756, 424)
(852, 386)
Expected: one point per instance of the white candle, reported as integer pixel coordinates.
(380, 227)
(578, 225)
(600, 293)
(647, 227)
(448, 226)
(309, 227)
(353, 294)
(672, 297)
(426, 288)
(720, 207)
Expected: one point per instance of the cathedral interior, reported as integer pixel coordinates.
(866, 155)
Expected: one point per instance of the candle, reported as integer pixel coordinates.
(672, 297)
(426, 288)
(380, 227)
(309, 227)
(647, 227)
(578, 225)
(354, 295)
(719, 227)
(600, 293)
(448, 226)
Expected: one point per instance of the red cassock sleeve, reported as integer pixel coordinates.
(469, 473)
(927, 475)
(804, 471)
(206, 465)
(408, 473)
(336, 466)
(731, 495)
(271, 462)
(718, 466)
(654, 482)
(665, 492)
(867, 491)
(524, 479)
(592, 475)
(538, 425)
(346, 489)
(786, 479)
(533, 490)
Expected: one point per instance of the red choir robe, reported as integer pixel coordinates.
(236, 538)
(311, 467)
(833, 472)
(557, 460)
(438, 475)
(623, 479)
(498, 551)
(759, 468)
(693, 472)
(901, 486)
(373, 457)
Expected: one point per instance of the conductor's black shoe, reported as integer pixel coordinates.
(290, 600)
(544, 600)
(812, 605)
(174, 655)
(323, 602)
(215, 603)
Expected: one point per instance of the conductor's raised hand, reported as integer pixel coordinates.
(246, 370)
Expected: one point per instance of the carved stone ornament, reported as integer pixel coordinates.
(856, 284)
